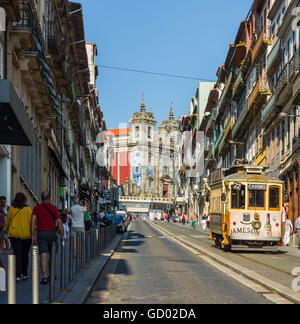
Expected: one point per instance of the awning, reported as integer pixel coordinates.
(15, 127)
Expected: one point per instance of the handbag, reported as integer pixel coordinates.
(12, 219)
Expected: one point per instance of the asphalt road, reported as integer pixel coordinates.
(149, 268)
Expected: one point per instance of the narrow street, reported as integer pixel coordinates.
(150, 268)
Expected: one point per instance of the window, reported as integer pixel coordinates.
(149, 133)
(1, 62)
(274, 198)
(289, 134)
(238, 194)
(295, 124)
(137, 132)
(257, 197)
(283, 137)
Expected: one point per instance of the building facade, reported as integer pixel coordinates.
(49, 72)
(252, 113)
(147, 157)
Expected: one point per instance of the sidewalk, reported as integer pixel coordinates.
(24, 289)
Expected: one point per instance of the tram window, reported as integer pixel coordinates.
(274, 197)
(238, 198)
(257, 198)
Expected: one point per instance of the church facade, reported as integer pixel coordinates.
(153, 161)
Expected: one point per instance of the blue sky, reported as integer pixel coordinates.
(183, 37)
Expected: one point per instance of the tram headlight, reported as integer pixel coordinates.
(256, 225)
(256, 216)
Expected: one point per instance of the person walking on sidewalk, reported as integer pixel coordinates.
(183, 219)
(194, 221)
(43, 226)
(3, 235)
(18, 229)
(78, 225)
(297, 225)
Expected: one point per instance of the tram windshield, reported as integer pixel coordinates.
(238, 195)
(256, 198)
(274, 198)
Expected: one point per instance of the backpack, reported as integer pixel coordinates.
(64, 218)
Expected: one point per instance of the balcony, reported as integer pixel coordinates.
(209, 127)
(238, 88)
(284, 86)
(240, 120)
(12, 9)
(259, 93)
(269, 112)
(23, 29)
(263, 41)
(274, 57)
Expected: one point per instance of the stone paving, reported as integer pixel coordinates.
(24, 289)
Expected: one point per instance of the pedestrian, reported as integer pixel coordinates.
(194, 221)
(18, 229)
(162, 218)
(45, 216)
(297, 225)
(155, 217)
(64, 219)
(183, 219)
(288, 231)
(204, 223)
(288, 226)
(3, 235)
(87, 216)
(78, 226)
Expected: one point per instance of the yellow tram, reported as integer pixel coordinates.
(246, 209)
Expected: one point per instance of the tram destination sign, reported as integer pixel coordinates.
(257, 186)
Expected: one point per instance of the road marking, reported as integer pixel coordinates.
(240, 273)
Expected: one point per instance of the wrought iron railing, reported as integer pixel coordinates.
(27, 19)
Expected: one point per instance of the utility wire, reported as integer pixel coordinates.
(154, 73)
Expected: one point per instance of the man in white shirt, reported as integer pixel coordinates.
(77, 212)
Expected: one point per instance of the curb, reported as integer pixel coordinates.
(84, 286)
(263, 281)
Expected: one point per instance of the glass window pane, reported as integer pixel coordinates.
(238, 198)
(274, 196)
(256, 198)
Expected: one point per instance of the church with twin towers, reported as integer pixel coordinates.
(146, 161)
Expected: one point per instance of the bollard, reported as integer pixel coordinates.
(77, 253)
(97, 242)
(87, 247)
(35, 275)
(81, 250)
(91, 246)
(63, 265)
(11, 279)
(52, 273)
(71, 263)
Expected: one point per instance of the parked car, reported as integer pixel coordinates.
(121, 222)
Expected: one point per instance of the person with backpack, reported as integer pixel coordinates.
(43, 226)
(3, 235)
(18, 229)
